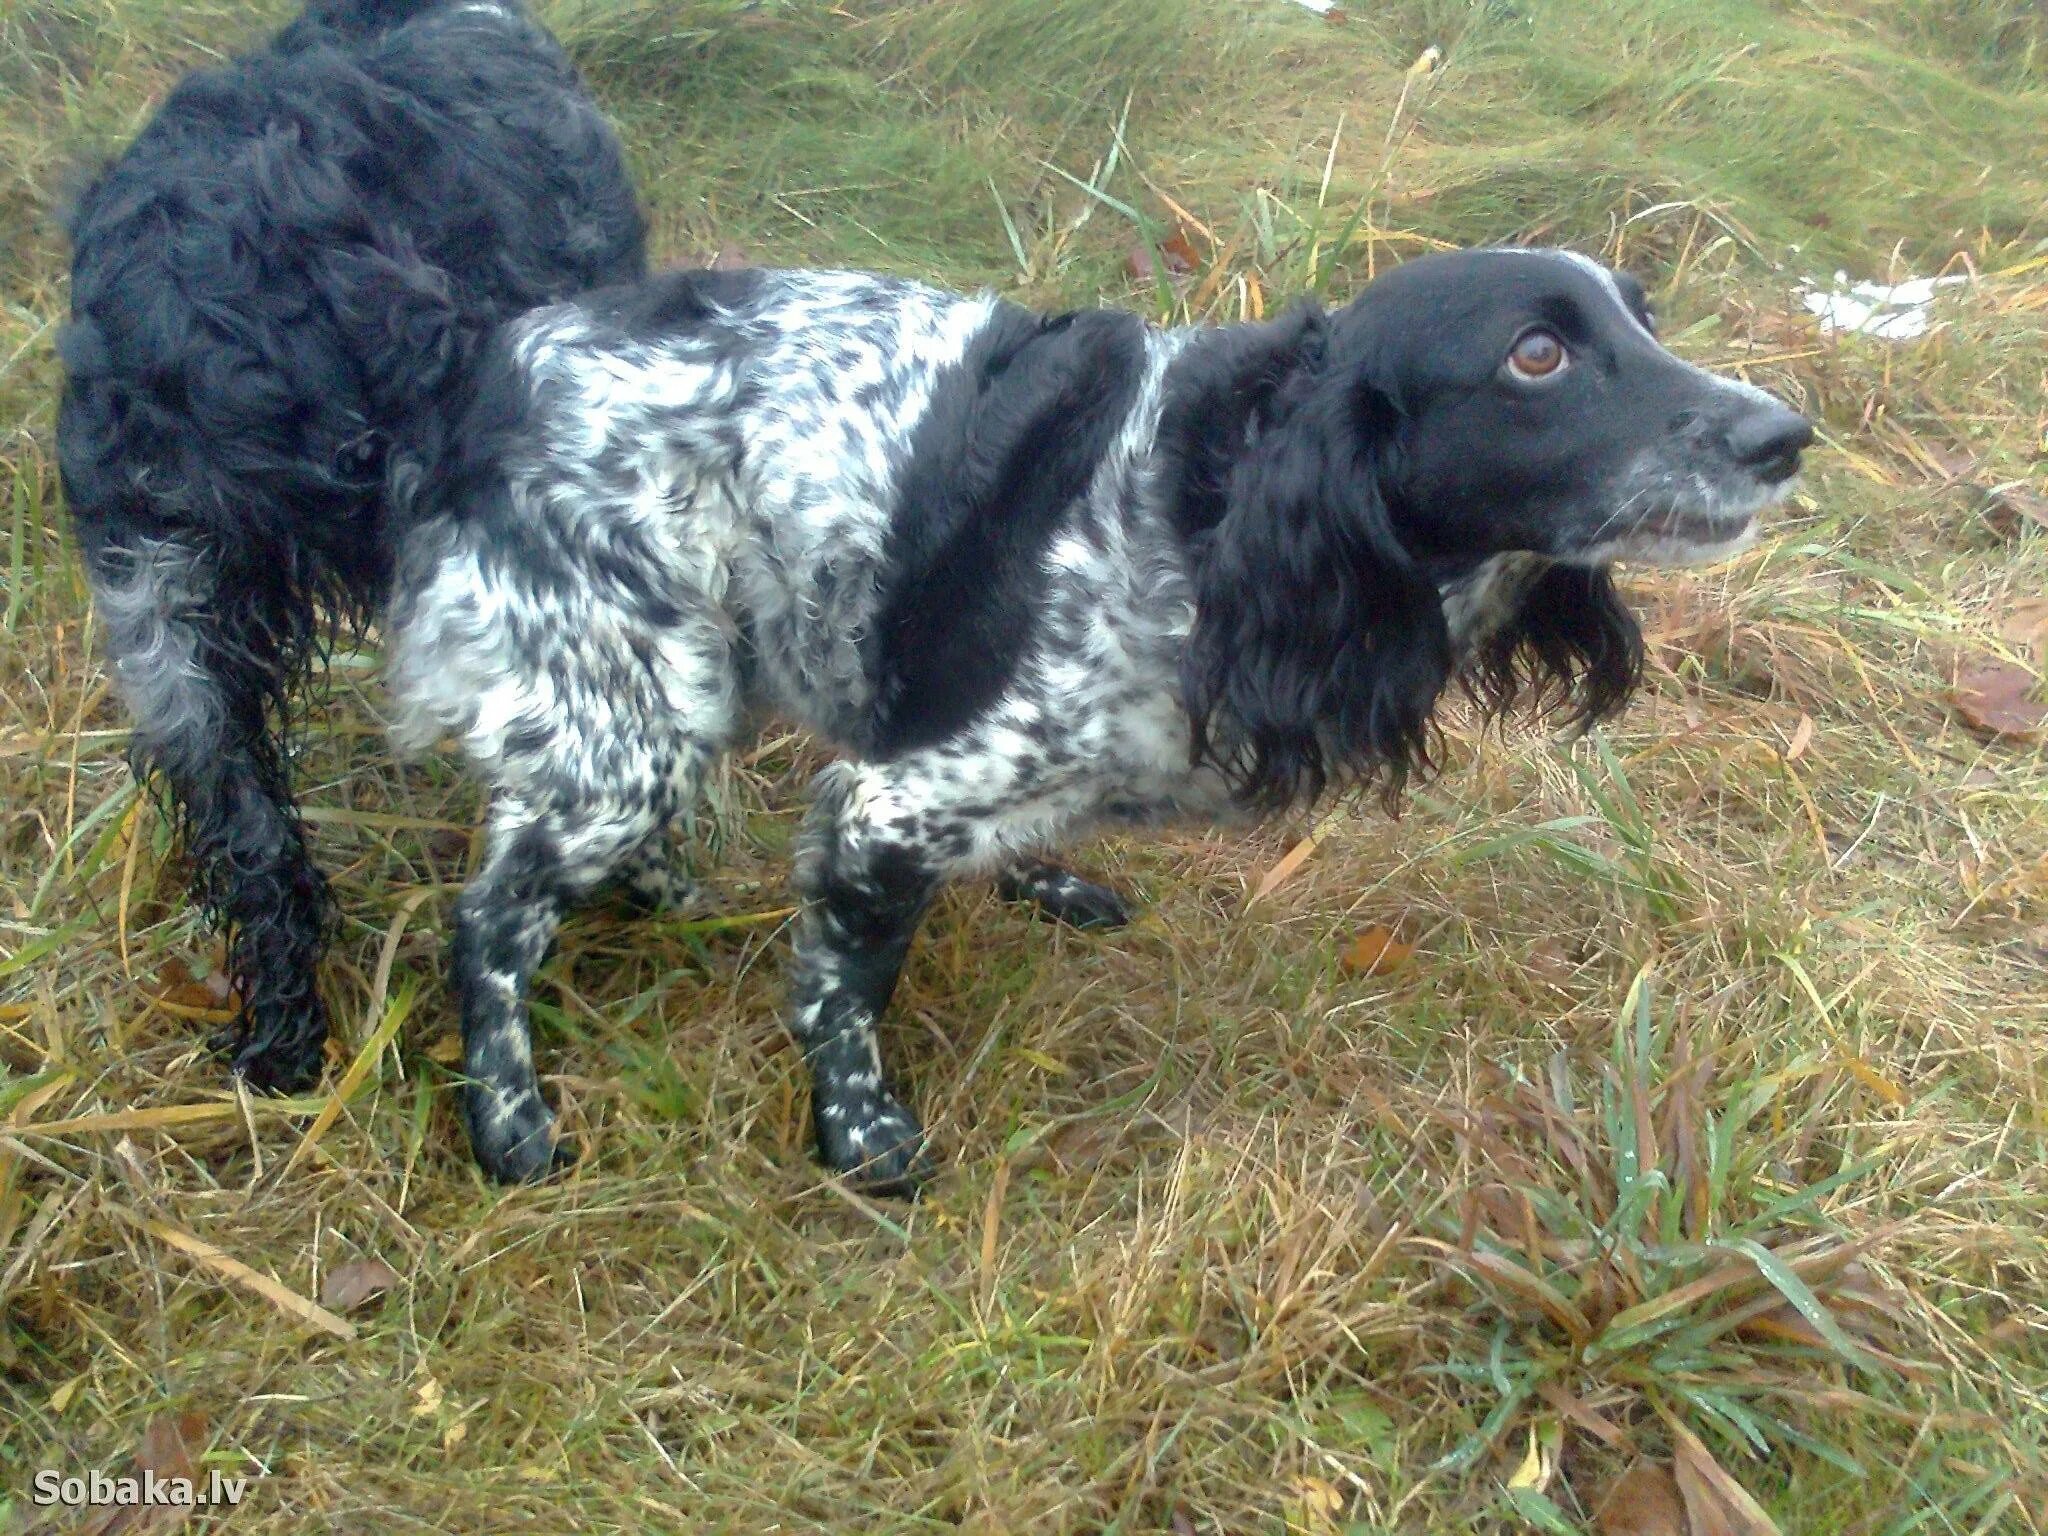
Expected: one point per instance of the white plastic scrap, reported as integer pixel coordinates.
(1888, 311)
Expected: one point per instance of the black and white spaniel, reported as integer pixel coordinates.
(268, 288)
(1029, 572)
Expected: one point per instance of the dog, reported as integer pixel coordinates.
(269, 288)
(1030, 573)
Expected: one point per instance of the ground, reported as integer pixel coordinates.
(1674, 1098)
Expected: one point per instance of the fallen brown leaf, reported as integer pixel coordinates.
(171, 1442)
(1176, 251)
(1952, 464)
(1643, 1501)
(1995, 699)
(2011, 508)
(1715, 1503)
(1375, 952)
(350, 1285)
(177, 986)
(170, 1448)
(1179, 252)
(2026, 626)
(1802, 738)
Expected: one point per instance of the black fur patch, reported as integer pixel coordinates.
(1219, 395)
(297, 248)
(1319, 647)
(1573, 648)
(1013, 437)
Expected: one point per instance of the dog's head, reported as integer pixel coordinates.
(1520, 401)
(1360, 467)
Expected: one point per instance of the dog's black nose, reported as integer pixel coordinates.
(1770, 440)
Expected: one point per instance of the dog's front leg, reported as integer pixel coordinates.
(865, 879)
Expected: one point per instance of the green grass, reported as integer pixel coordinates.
(1229, 1238)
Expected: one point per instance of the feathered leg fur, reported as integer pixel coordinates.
(270, 289)
(200, 705)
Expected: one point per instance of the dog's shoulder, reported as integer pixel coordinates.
(1016, 430)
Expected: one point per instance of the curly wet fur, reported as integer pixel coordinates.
(1031, 572)
(269, 288)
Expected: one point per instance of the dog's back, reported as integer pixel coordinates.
(356, 21)
(269, 288)
(283, 264)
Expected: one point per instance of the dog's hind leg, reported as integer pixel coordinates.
(588, 801)
(200, 705)
(1062, 895)
(541, 862)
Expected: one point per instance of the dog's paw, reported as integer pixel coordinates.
(1065, 897)
(657, 889)
(512, 1134)
(874, 1142)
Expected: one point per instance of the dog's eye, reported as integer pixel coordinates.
(1537, 355)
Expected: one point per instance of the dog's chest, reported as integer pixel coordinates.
(1477, 605)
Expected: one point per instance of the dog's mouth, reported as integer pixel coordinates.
(1708, 528)
(1688, 535)
(1700, 523)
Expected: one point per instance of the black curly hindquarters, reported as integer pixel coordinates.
(272, 289)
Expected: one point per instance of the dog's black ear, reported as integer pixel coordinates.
(1573, 648)
(1319, 647)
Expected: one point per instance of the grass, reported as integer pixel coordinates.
(1703, 1127)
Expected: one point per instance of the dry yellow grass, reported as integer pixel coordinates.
(1230, 1237)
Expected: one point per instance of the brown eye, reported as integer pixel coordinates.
(1537, 355)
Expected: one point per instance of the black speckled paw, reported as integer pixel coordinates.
(513, 1134)
(874, 1142)
(1065, 897)
(655, 890)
